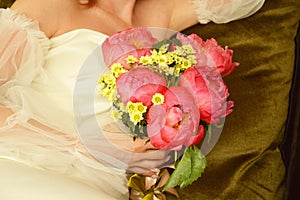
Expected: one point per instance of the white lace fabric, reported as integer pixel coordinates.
(224, 11)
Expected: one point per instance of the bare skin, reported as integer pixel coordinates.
(107, 16)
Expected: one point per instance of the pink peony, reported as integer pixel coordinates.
(176, 122)
(139, 85)
(210, 93)
(210, 53)
(137, 42)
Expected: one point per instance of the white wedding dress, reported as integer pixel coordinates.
(44, 144)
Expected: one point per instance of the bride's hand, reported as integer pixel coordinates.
(145, 158)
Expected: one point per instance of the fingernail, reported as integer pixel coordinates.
(154, 176)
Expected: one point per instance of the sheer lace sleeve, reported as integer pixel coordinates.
(223, 11)
(22, 47)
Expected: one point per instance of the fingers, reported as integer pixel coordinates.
(151, 155)
(145, 172)
(142, 145)
(144, 163)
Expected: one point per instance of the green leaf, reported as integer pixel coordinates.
(177, 42)
(188, 169)
(182, 172)
(198, 162)
(159, 44)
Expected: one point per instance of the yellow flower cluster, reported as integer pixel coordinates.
(136, 111)
(167, 62)
(107, 82)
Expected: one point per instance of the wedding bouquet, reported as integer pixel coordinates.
(169, 91)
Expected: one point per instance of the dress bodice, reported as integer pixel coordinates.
(67, 56)
(47, 71)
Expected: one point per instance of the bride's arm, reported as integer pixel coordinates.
(181, 14)
(21, 44)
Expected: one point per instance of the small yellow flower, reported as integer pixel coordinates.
(108, 93)
(162, 60)
(188, 49)
(170, 58)
(130, 106)
(192, 59)
(140, 107)
(177, 59)
(179, 51)
(154, 53)
(158, 98)
(115, 115)
(131, 59)
(185, 64)
(164, 48)
(136, 117)
(111, 80)
(102, 79)
(145, 60)
(117, 69)
(154, 58)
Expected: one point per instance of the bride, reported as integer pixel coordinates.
(43, 46)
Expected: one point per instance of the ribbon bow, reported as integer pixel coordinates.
(149, 188)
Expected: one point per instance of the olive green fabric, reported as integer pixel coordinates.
(246, 163)
(6, 3)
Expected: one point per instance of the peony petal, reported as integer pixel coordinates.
(155, 119)
(208, 87)
(129, 82)
(174, 116)
(145, 93)
(122, 43)
(168, 133)
(196, 139)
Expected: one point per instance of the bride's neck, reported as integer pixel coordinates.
(121, 9)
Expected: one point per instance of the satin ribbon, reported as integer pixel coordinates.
(150, 188)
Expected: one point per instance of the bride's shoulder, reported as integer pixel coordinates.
(50, 14)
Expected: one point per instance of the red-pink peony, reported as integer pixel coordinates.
(176, 122)
(139, 85)
(210, 54)
(208, 88)
(137, 42)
